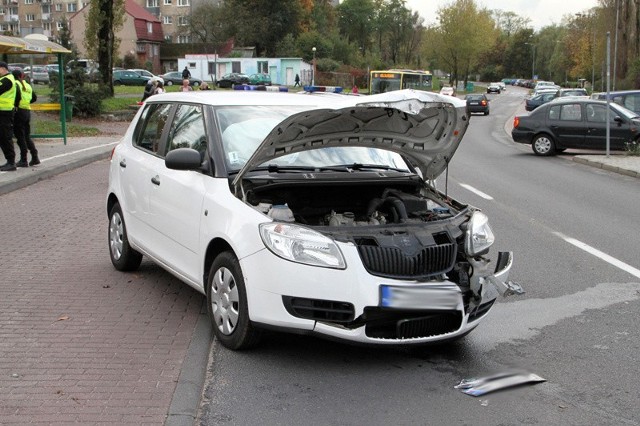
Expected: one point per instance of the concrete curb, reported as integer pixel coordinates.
(188, 393)
(609, 167)
(41, 173)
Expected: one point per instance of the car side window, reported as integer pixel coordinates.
(596, 113)
(571, 112)
(554, 113)
(148, 136)
(632, 102)
(188, 129)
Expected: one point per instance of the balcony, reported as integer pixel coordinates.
(11, 18)
(46, 17)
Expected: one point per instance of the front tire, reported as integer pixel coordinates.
(227, 304)
(543, 145)
(123, 257)
(169, 83)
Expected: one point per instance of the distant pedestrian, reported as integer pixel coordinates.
(185, 86)
(22, 121)
(185, 73)
(354, 90)
(159, 88)
(149, 88)
(297, 80)
(8, 92)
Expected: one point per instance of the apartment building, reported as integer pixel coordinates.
(22, 17)
(174, 15)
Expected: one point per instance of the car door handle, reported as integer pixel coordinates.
(155, 180)
(123, 164)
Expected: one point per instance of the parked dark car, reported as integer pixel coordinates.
(175, 77)
(260, 79)
(629, 99)
(477, 103)
(231, 79)
(537, 100)
(575, 123)
(128, 78)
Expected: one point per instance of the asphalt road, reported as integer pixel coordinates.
(573, 230)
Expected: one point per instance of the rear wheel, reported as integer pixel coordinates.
(227, 304)
(169, 83)
(196, 83)
(543, 145)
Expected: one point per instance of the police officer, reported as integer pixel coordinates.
(7, 106)
(22, 121)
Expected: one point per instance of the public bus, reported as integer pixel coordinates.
(386, 81)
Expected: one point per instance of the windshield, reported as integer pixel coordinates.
(622, 111)
(243, 129)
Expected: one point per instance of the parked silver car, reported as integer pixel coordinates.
(37, 74)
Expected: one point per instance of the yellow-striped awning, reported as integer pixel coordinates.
(30, 44)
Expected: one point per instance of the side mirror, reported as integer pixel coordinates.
(618, 120)
(183, 159)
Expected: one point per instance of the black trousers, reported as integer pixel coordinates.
(22, 130)
(6, 141)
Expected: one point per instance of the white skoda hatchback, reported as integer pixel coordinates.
(312, 213)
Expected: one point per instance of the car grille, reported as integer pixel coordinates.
(409, 324)
(481, 310)
(319, 310)
(393, 263)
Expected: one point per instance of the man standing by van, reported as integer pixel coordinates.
(7, 107)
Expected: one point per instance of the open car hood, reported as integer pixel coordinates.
(424, 127)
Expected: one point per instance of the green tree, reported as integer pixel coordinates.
(356, 20)
(104, 20)
(464, 34)
(261, 23)
(205, 25)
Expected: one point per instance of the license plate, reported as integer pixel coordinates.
(419, 297)
(473, 103)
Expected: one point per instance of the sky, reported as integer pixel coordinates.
(540, 12)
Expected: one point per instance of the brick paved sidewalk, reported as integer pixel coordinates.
(79, 341)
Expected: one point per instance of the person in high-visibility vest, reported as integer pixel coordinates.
(7, 106)
(22, 121)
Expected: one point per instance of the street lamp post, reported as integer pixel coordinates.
(533, 61)
(313, 74)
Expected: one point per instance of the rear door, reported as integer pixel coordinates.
(596, 136)
(567, 125)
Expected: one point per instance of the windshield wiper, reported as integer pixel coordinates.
(360, 166)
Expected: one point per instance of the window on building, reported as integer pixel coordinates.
(168, 20)
(59, 25)
(28, 1)
(153, 3)
(183, 20)
(168, 38)
(46, 26)
(149, 27)
(263, 67)
(184, 39)
(167, 2)
(29, 17)
(1, 10)
(58, 7)
(141, 48)
(46, 8)
(72, 7)
(183, 2)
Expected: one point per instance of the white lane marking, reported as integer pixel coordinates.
(609, 259)
(476, 191)
(80, 150)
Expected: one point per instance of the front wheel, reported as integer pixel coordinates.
(227, 304)
(169, 83)
(196, 83)
(543, 145)
(123, 257)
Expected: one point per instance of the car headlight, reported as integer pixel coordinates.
(479, 235)
(301, 245)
